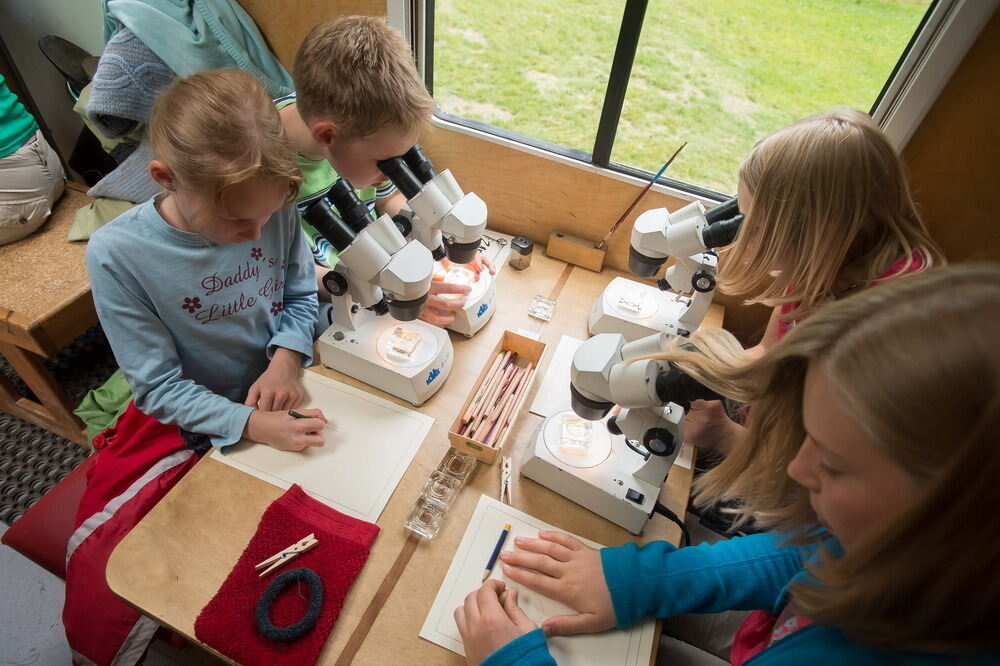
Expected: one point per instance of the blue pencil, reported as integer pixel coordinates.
(496, 552)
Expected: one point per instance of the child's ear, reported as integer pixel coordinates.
(324, 132)
(163, 175)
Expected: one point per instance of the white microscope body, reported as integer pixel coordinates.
(616, 468)
(378, 272)
(677, 305)
(448, 222)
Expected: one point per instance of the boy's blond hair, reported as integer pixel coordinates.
(358, 72)
(916, 365)
(831, 212)
(218, 129)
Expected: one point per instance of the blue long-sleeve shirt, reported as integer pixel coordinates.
(744, 573)
(192, 326)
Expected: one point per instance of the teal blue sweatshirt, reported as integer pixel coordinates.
(745, 573)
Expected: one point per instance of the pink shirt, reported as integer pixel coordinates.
(916, 265)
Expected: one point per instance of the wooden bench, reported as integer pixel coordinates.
(45, 302)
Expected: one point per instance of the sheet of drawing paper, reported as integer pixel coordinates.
(553, 393)
(631, 647)
(369, 444)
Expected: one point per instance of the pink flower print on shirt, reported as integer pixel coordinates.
(257, 253)
(277, 306)
(192, 305)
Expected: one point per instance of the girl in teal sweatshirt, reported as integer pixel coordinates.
(873, 458)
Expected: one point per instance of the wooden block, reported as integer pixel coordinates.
(576, 251)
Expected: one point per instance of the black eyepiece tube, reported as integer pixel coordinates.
(396, 170)
(674, 386)
(725, 210)
(329, 224)
(419, 163)
(352, 209)
(722, 233)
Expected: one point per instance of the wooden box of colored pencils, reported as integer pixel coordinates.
(482, 426)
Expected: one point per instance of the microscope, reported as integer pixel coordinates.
(615, 465)
(378, 273)
(448, 222)
(637, 310)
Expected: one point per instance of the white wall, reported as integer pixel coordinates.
(22, 22)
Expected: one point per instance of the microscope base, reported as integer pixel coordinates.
(476, 313)
(603, 487)
(637, 310)
(356, 353)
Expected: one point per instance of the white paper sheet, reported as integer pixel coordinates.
(369, 445)
(553, 393)
(631, 647)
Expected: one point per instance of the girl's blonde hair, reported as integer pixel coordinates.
(917, 365)
(220, 128)
(831, 211)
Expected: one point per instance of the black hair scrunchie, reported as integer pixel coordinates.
(270, 595)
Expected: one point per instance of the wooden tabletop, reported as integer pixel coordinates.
(175, 560)
(45, 296)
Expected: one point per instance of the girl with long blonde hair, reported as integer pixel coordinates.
(828, 213)
(872, 457)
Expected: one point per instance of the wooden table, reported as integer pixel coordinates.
(174, 561)
(45, 302)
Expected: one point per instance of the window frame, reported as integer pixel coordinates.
(942, 38)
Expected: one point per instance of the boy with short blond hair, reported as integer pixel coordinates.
(359, 99)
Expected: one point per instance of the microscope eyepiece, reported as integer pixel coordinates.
(406, 310)
(328, 223)
(643, 265)
(354, 211)
(724, 222)
(419, 164)
(396, 170)
(723, 211)
(675, 386)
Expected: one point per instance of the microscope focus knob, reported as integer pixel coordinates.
(335, 283)
(613, 426)
(703, 281)
(659, 442)
(662, 284)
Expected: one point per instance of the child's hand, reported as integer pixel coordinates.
(490, 619)
(707, 426)
(440, 309)
(285, 432)
(480, 262)
(279, 387)
(562, 568)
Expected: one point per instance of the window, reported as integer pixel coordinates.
(620, 84)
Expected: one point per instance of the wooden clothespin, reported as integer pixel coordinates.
(287, 555)
(505, 475)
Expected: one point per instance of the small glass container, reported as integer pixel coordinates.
(542, 308)
(521, 248)
(458, 465)
(402, 344)
(575, 435)
(426, 517)
(441, 487)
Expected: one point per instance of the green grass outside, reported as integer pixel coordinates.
(720, 74)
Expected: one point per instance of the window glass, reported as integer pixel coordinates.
(722, 74)
(536, 68)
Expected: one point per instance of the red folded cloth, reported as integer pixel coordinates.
(228, 622)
